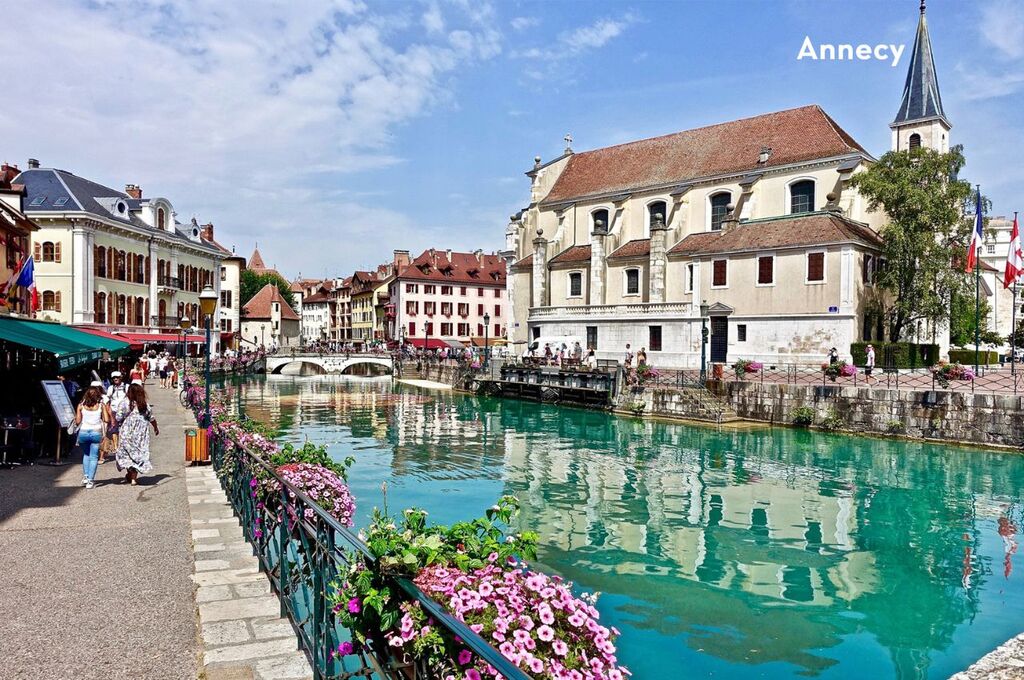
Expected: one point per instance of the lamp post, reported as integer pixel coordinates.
(703, 341)
(184, 323)
(487, 344)
(207, 305)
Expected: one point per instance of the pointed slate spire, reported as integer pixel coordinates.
(921, 98)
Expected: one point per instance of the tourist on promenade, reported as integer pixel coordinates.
(641, 357)
(627, 360)
(172, 374)
(134, 418)
(577, 351)
(833, 356)
(547, 354)
(869, 365)
(161, 366)
(90, 416)
(137, 373)
(591, 360)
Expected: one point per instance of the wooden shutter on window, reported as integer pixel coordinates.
(816, 267)
(37, 253)
(765, 270)
(56, 252)
(95, 261)
(718, 277)
(56, 301)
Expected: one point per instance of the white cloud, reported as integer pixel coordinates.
(232, 110)
(523, 23)
(581, 39)
(433, 21)
(1002, 25)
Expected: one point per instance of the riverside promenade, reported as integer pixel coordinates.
(104, 583)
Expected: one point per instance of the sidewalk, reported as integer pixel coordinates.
(96, 584)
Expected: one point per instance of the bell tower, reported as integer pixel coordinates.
(920, 120)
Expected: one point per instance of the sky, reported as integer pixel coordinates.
(331, 132)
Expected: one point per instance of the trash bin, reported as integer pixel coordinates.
(196, 450)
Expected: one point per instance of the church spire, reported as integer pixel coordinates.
(921, 99)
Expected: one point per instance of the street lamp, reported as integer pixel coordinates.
(487, 344)
(207, 305)
(703, 341)
(184, 323)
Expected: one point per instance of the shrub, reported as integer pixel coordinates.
(832, 420)
(803, 415)
(894, 427)
(637, 408)
(896, 354)
(833, 371)
(944, 373)
(966, 356)
(744, 366)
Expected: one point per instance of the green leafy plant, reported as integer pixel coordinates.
(803, 415)
(637, 408)
(311, 454)
(894, 427)
(832, 420)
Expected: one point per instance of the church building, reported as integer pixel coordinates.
(748, 226)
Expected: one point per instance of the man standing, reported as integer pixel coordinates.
(627, 360)
(577, 351)
(869, 365)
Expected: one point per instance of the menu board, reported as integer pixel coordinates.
(59, 402)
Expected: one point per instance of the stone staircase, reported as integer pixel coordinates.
(691, 402)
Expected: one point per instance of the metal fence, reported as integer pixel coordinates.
(303, 549)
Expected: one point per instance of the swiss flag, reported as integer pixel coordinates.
(1014, 257)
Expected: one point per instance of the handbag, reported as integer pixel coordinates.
(73, 428)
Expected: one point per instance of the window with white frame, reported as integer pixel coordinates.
(718, 206)
(720, 273)
(599, 216)
(632, 281)
(575, 284)
(816, 267)
(654, 210)
(801, 196)
(766, 270)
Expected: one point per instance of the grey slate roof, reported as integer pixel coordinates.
(921, 98)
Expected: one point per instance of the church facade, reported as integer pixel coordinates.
(749, 227)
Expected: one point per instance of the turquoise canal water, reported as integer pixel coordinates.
(760, 553)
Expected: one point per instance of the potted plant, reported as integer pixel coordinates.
(834, 370)
(744, 366)
(946, 372)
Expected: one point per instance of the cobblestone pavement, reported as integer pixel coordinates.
(1006, 662)
(242, 633)
(95, 583)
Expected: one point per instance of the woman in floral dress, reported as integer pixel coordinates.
(135, 416)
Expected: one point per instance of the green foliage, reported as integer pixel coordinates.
(832, 420)
(894, 427)
(962, 321)
(901, 354)
(966, 357)
(251, 283)
(313, 454)
(803, 415)
(1016, 338)
(927, 230)
(637, 408)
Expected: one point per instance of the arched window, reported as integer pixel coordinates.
(599, 221)
(575, 284)
(50, 301)
(161, 219)
(654, 210)
(915, 141)
(101, 308)
(122, 308)
(801, 196)
(719, 204)
(140, 312)
(49, 251)
(101, 262)
(121, 269)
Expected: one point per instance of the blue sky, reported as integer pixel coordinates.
(333, 132)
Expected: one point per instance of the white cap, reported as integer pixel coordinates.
(95, 383)
(115, 374)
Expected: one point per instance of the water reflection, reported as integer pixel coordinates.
(764, 552)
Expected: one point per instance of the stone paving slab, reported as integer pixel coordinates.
(243, 635)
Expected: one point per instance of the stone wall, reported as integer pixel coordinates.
(953, 416)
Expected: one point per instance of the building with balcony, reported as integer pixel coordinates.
(443, 297)
(113, 259)
(16, 231)
(755, 217)
(230, 309)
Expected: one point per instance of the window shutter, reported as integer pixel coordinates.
(765, 273)
(719, 273)
(95, 262)
(37, 253)
(56, 301)
(816, 267)
(56, 252)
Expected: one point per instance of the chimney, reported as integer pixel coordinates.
(401, 260)
(33, 163)
(7, 174)
(133, 190)
(207, 231)
(448, 254)
(479, 254)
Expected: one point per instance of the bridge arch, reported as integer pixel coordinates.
(313, 364)
(305, 367)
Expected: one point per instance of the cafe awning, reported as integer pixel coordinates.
(70, 347)
(493, 342)
(428, 343)
(108, 341)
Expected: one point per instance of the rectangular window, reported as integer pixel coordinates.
(765, 270)
(462, 290)
(463, 330)
(535, 332)
(497, 311)
(463, 309)
(575, 284)
(497, 330)
(429, 327)
(654, 338)
(429, 308)
(719, 273)
(741, 332)
(632, 282)
(428, 289)
(868, 264)
(412, 307)
(592, 337)
(412, 288)
(479, 310)
(479, 292)
(480, 330)
(446, 309)
(815, 267)
(691, 272)
(446, 329)
(412, 328)
(446, 290)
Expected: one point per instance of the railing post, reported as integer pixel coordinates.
(282, 550)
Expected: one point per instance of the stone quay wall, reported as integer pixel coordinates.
(952, 416)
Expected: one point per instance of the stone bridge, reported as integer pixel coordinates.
(326, 363)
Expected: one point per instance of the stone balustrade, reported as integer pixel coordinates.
(647, 310)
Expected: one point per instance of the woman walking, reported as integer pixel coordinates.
(91, 417)
(135, 417)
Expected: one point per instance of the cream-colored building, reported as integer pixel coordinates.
(754, 217)
(268, 321)
(114, 259)
(230, 308)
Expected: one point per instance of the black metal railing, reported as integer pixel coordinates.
(303, 549)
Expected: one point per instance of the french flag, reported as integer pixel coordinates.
(27, 280)
(972, 251)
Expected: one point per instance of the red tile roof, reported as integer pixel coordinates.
(572, 254)
(794, 135)
(525, 262)
(260, 305)
(640, 247)
(256, 260)
(316, 297)
(810, 229)
(461, 268)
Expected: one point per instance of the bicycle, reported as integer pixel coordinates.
(183, 395)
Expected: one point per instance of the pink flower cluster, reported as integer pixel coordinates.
(534, 619)
(324, 487)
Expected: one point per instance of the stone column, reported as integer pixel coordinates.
(598, 253)
(154, 301)
(540, 270)
(82, 279)
(657, 259)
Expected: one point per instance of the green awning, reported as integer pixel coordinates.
(72, 348)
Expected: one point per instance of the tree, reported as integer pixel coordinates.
(962, 321)
(251, 283)
(926, 236)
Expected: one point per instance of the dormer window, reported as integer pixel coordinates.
(599, 221)
(122, 207)
(161, 219)
(719, 204)
(801, 196)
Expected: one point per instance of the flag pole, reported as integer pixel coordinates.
(1013, 319)
(977, 292)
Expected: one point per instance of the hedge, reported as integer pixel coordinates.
(966, 357)
(896, 354)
